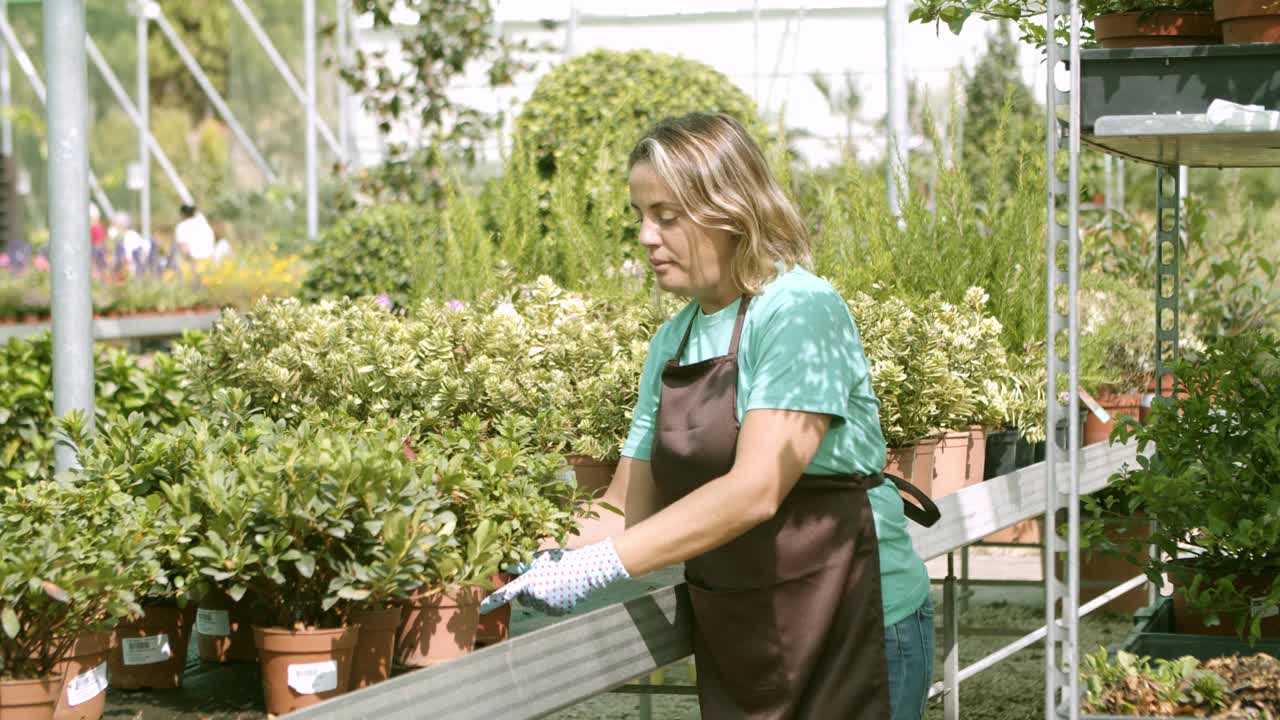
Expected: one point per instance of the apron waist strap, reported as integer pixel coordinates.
(926, 513)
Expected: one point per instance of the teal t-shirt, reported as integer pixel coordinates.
(799, 350)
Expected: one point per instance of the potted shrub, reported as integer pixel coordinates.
(306, 517)
(75, 556)
(1211, 487)
(137, 458)
(507, 495)
(1117, 23)
(977, 359)
(912, 378)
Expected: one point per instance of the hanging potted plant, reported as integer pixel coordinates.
(1117, 23)
(1210, 488)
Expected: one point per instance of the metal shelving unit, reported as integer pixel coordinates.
(1147, 105)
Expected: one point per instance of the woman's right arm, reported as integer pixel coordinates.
(631, 491)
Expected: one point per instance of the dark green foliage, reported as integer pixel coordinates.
(368, 252)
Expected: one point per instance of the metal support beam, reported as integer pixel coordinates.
(6, 101)
(309, 53)
(29, 70)
(896, 157)
(1063, 465)
(342, 12)
(951, 641)
(219, 104)
(143, 117)
(338, 146)
(137, 115)
(68, 123)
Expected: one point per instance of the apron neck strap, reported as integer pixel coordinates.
(737, 329)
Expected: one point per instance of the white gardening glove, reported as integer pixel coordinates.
(560, 579)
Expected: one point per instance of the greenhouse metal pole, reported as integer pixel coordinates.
(95, 56)
(309, 52)
(144, 120)
(68, 127)
(571, 29)
(6, 126)
(755, 54)
(341, 8)
(896, 158)
(215, 98)
(37, 85)
(282, 67)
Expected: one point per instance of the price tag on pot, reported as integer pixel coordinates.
(86, 686)
(309, 678)
(1259, 608)
(146, 650)
(213, 622)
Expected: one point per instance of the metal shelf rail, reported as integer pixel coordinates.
(531, 675)
(1150, 105)
(127, 328)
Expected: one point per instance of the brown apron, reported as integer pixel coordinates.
(788, 617)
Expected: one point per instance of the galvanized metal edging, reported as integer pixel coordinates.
(125, 328)
(529, 676)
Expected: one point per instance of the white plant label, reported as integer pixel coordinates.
(86, 686)
(213, 622)
(310, 678)
(1259, 608)
(146, 650)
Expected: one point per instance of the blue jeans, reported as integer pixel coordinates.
(908, 646)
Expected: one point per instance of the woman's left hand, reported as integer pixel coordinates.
(560, 579)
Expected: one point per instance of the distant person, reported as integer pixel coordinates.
(97, 238)
(194, 235)
(129, 243)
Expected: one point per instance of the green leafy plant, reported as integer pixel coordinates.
(1029, 14)
(367, 252)
(909, 367)
(1134, 685)
(76, 556)
(1211, 485)
(122, 386)
(312, 517)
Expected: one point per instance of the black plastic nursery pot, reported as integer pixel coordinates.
(1153, 636)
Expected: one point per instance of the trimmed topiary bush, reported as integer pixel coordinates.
(368, 251)
(567, 177)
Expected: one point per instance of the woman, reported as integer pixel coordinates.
(754, 457)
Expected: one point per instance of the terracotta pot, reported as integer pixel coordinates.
(1118, 406)
(301, 668)
(84, 678)
(437, 626)
(1156, 29)
(151, 652)
(592, 475)
(977, 462)
(29, 699)
(950, 463)
(371, 662)
(1190, 621)
(914, 464)
(223, 633)
(493, 628)
(1099, 572)
(1248, 21)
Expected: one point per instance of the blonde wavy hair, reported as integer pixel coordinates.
(722, 180)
